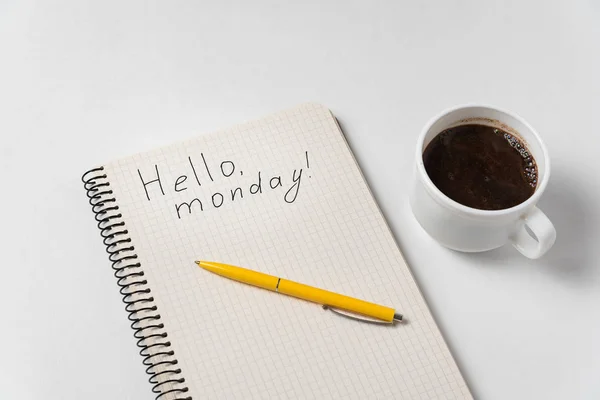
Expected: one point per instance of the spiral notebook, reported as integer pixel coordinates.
(282, 195)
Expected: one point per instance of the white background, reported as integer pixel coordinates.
(83, 82)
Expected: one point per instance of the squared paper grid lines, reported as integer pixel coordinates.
(238, 342)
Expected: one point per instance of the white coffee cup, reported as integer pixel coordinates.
(463, 228)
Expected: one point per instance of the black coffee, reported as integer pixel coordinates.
(481, 167)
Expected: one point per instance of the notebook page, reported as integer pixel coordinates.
(282, 195)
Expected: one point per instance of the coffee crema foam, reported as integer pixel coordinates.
(531, 168)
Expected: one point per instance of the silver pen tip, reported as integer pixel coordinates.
(398, 317)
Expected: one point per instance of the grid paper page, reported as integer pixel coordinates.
(310, 218)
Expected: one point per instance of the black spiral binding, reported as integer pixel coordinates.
(145, 321)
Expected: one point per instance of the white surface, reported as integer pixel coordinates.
(83, 82)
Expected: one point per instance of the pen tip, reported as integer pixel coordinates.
(197, 262)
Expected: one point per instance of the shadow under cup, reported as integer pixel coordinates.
(464, 228)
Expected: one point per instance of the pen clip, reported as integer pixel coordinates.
(355, 317)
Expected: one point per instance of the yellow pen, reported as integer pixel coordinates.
(328, 300)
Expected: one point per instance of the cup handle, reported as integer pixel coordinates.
(545, 235)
